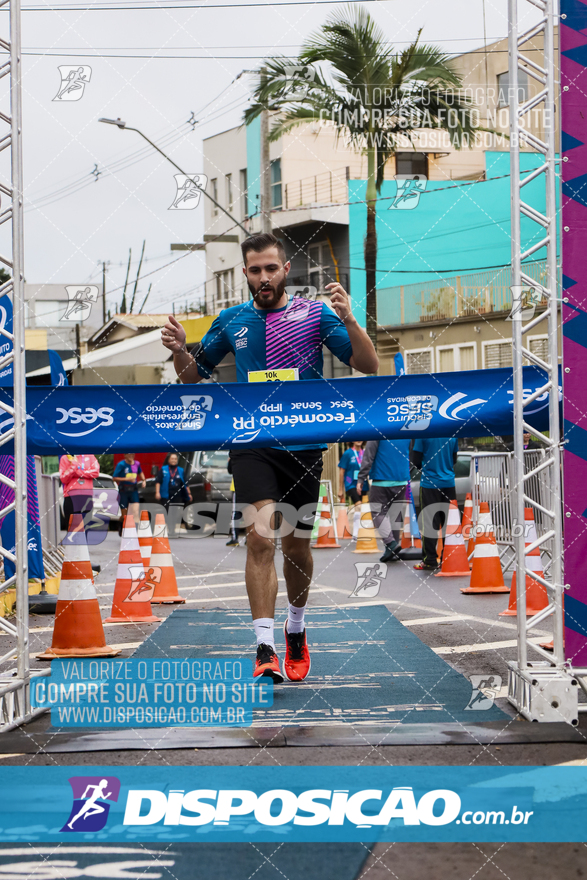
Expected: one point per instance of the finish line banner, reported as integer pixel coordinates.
(219, 416)
(295, 804)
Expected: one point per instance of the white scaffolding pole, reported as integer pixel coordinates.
(15, 705)
(542, 688)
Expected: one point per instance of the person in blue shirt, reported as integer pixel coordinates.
(387, 463)
(128, 474)
(270, 333)
(436, 457)
(349, 466)
(170, 484)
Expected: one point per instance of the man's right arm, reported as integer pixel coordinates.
(173, 337)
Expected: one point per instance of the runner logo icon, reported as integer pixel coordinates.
(369, 577)
(143, 583)
(90, 802)
(485, 688)
(195, 407)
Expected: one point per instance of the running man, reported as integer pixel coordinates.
(274, 332)
(90, 807)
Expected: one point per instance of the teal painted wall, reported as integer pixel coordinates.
(254, 166)
(457, 227)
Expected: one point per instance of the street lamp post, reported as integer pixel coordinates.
(121, 124)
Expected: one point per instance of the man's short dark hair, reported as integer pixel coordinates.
(260, 243)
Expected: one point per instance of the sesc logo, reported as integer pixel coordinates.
(89, 416)
(90, 802)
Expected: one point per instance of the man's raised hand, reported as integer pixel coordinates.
(173, 335)
(340, 301)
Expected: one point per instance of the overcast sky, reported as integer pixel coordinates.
(68, 232)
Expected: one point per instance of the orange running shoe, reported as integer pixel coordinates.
(297, 662)
(267, 664)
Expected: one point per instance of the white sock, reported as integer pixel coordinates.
(264, 628)
(295, 619)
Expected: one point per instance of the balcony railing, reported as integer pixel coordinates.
(328, 187)
(479, 293)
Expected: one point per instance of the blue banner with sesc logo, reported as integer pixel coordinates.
(221, 416)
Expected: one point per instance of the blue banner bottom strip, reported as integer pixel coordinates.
(295, 804)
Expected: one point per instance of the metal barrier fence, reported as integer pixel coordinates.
(492, 481)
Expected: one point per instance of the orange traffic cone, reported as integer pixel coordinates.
(326, 531)
(487, 576)
(536, 595)
(134, 586)
(166, 592)
(439, 545)
(467, 525)
(78, 630)
(454, 556)
(407, 539)
(343, 527)
(145, 536)
(366, 541)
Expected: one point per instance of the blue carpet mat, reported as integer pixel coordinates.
(367, 668)
(191, 861)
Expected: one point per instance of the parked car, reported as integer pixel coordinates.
(463, 479)
(207, 477)
(105, 500)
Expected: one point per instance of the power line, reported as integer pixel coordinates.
(96, 7)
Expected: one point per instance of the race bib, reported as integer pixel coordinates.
(289, 375)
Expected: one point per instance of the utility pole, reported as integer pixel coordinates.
(265, 165)
(103, 292)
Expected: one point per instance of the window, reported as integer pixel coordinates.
(457, 357)
(244, 187)
(224, 289)
(446, 360)
(276, 200)
(463, 466)
(411, 163)
(216, 459)
(214, 183)
(497, 354)
(503, 87)
(419, 361)
(538, 345)
(229, 192)
(468, 357)
(48, 312)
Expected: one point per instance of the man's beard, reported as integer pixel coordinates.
(267, 302)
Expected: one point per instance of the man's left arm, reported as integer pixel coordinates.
(364, 357)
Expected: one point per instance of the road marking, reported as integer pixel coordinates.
(123, 647)
(483, 646)
(182, 577)
(504, 624)
(420, 621)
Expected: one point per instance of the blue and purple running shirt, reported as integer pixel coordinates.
(276, 339)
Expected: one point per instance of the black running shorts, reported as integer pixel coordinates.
(289, 477)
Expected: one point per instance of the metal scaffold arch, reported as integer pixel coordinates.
(543, 686)
(15, 705)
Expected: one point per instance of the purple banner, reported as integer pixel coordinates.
(573, 36)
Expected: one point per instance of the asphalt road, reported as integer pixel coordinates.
(465, 630)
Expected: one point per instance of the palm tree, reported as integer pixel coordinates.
(375, 98)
